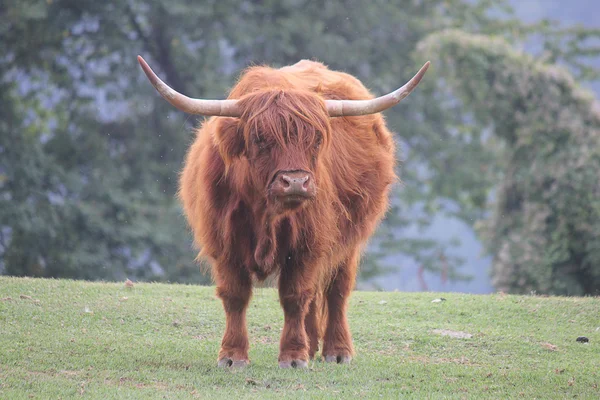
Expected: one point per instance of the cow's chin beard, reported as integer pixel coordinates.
(285, 205)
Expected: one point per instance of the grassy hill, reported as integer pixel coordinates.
(66, 339)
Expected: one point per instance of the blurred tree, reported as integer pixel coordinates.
(89, 191)
(544, 231)
(85, 176)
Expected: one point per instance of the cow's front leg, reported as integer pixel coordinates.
(296, 291)
(234, 287)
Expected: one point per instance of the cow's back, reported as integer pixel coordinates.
(305, 74)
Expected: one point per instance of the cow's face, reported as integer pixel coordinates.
(285, 172)
(282, 136)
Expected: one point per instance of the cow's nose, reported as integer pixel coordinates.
(293, 184)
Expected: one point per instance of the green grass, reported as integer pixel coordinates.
(101, 340)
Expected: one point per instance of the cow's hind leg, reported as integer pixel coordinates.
(296, 292)
(234, 287)
(337, 343)
(311, 325)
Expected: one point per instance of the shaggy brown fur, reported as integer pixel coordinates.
(314, 248)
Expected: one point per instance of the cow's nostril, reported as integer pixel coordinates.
(285, 181)
(306, 182)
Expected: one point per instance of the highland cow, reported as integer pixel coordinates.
(290, 178)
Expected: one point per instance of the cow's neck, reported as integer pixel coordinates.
(277, 236)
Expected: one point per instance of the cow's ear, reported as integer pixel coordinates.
(230, 139)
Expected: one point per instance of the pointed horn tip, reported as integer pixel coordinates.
(143, 63)
(154, 80)
(417, 78)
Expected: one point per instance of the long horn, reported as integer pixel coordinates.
(347, 108)
(222, 108)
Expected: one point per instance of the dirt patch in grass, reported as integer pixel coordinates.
(453, 334)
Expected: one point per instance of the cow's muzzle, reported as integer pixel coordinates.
(292, 187)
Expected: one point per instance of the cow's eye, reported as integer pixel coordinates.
(260, 143)
(318, 142)
(257, 140)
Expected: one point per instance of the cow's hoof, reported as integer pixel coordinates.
(340, 359)
(227, 362)
(293, 364)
